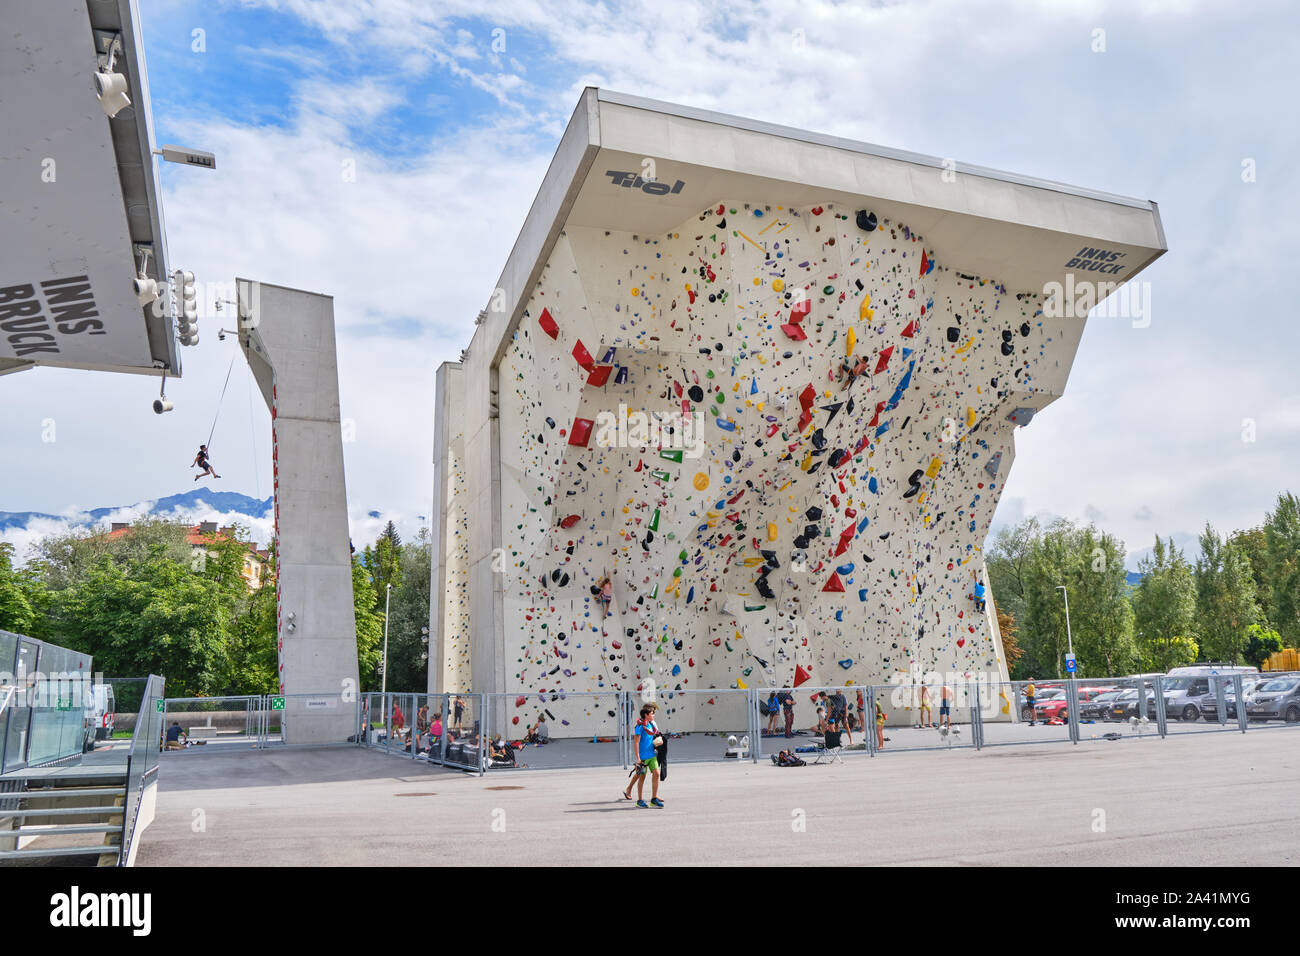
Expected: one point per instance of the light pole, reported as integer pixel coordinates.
(1068, 638)
(383, 664)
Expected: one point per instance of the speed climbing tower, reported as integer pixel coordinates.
(766, 382)
(288, 338)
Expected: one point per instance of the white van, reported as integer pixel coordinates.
(100, 714)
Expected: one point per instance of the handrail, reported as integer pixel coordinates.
(140, 740)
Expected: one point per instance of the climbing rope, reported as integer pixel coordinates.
(219, 402)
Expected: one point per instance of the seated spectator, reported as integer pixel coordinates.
(821, 726)
(538, 733)
(175, 737)
(501, 750)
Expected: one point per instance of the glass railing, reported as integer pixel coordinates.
(142, 763)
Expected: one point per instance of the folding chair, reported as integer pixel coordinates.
(830, 749)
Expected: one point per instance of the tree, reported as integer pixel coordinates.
(1008, 561)
(18, 598)
(1225, 599)
(254, 657)
(383, 562)
(1011, 649)
(408, 651)
(1090, 564)
(148, 616)
(1261, 643)
(1282, 558)
(63, 560)
(370, 628)
(1164, 607)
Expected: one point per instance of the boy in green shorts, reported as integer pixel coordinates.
(646, 733)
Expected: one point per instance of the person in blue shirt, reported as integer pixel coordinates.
(646, 733)
(979, 597)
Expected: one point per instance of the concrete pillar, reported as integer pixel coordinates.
(288, 337)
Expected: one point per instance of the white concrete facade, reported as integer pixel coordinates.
(288, 338)
(819, 526)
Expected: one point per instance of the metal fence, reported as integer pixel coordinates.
(491, 733)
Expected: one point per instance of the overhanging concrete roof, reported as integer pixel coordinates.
(1014, 229)
(79, 191)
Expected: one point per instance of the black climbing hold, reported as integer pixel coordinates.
(866, 220)
(696, 393)
(954, 333)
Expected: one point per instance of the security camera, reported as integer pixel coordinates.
(146, 289)
(221, 335)
(110, 88)
(161, 405)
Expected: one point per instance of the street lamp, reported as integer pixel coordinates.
(388, 596)
(1068, 638)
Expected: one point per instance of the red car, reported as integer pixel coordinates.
(1056, 706)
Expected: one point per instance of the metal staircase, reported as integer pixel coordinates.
(74, 813)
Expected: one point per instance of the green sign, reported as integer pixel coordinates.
(161, 705)
(277, 703)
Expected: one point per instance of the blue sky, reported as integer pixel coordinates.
(449, 138)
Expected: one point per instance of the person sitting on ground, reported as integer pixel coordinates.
(820, 727)
(500, 749)
(175, 737)
(538, 733)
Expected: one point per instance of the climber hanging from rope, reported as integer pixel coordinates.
(201, 461)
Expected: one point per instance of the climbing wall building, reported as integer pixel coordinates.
(761, 388)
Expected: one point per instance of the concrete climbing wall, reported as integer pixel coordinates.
(781, 433)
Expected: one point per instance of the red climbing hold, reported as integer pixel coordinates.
(834, 584)
(520, 700)
(801, 676)
(910, 331)
(925, 262)
(583, 357)
(548, 324)
(570, 521)
(800, 310)
(581, 433)
(795, 332)
(883, 362)
(600, 376)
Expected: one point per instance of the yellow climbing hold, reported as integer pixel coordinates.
(970, 416)
(850, 340)
(778, 285)
(771, 531)
(701, 480)
(635, 290)
(864, 310)
(933, 469)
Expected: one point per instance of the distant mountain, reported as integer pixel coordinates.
(201, 504)
(1134, 579)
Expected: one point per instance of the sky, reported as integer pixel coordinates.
(386, 152)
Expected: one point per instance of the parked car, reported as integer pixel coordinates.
(1191, 692)
(1275, 699)
(1099, 707)
(1125, 704)
(1248, 685)
(1054, 707)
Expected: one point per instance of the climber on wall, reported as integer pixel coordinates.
(604, 591)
